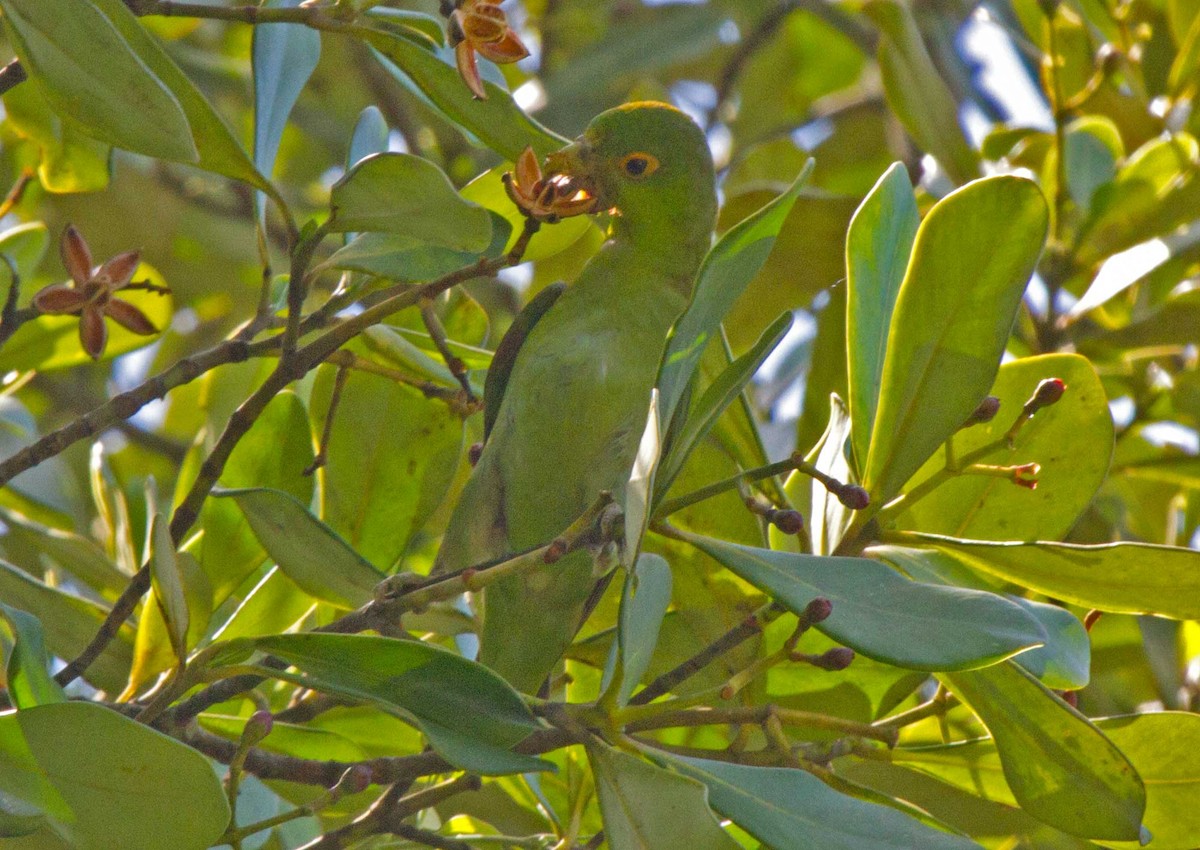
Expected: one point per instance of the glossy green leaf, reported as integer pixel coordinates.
(1062, 769)
(69, 623)
(392, 456)
(29, 682)
(828, 517)
(917, 93)
(1072, 442)
(92, 74)
(157, 648)
(646, 807)
(404, 194)
(273, 454)
(52, 342)
(639, 489)
(1130, 578)
(283, 57)
(729, 267)
(403, 258)
(883, 615)
(790, 809)
(878, 245)
(497, 122)
(306, 549)
(24, 245)
(103, 780)
(1163, 746)
(439, 689)
(716, 399)
(68, 160)
(1065, 660)
(167, 582)
(370, 136)
(973, 256)
(644, 602)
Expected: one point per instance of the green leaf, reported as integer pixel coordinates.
(168, 585)
(971, 261)
(437, 688)
(103, 780)
(1162, 746)
(647, 808)
(497, 122)
(370, 135)
(69, 160)
(156, 647)
(1129, 578)
(78, 556)
(644, 602)
(717, 397)
(92, 74)
(283, 57)
(29, 681)
(273, 454)
(1063, 663)
(878, 245)
(25, 245)
(203, 137)
(392, 456)
(883, 615)
(1060, 767)
(52, 342)
(69, 623)
(306, 549)
(917, 93)
(791, 809)
(1071, 440)
(729, 267)
(407, 259)
(404, 194)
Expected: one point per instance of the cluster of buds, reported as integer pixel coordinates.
(547, 199)
(480, 26)
(91, 294)
(837, 658)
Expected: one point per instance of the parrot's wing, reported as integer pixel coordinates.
(507, 350)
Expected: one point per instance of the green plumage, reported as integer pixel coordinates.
(576, 400)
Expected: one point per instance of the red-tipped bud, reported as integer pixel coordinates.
(789, 522)
(1026, 474)
(985, 412)
(474, 453)
(838, 658)
(728, 692)
(1071, 698)
(1048, 392)
(257, 727)
(853, 497)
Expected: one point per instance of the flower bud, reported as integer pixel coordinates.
(257, 727)
(789, 522)
(853, 497)
(838, 658)
(985, 412)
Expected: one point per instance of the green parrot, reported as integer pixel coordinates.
(574, 399)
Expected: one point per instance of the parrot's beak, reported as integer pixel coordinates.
(571, 172)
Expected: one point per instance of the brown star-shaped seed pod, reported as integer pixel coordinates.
(90, 294)
(550, 198)
(480, 26)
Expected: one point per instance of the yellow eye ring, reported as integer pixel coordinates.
(639, 164)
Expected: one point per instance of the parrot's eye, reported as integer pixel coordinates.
(639, 164)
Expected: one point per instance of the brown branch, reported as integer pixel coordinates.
(122, 406)
(12, 75)
(759, 715)
(727, 642)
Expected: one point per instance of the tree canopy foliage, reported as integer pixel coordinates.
(908, 554)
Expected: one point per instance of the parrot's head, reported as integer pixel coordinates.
(647, 161)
